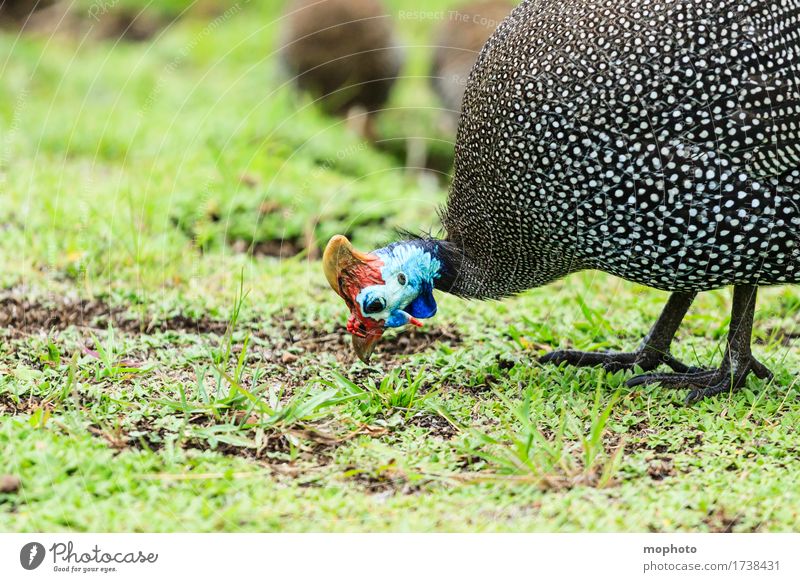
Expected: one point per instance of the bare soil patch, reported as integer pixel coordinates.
(25, 406)
(279, 248)
(720, 521)
(660, 468)
(407, 342)
(27, 316)
(436, 425)
(24, 313)
(389, 480)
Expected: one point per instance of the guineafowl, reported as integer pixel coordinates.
(344, 52)
(20, 11)
(656, 141)
(458, 40)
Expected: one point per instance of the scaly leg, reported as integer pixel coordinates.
(737, 363)
(653, 351)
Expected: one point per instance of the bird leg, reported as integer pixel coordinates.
(653, 351)
(737, 363)
(361, 121)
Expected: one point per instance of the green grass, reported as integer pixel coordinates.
(164, 380)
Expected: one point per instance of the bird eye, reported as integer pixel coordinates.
(401, 278)
(375, 305)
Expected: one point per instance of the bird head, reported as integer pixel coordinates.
(389, 287)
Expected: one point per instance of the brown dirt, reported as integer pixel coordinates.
(312, 443)
(25, 405)
(638, 435)
(660, 468)
(407, 342)
(280, 248)
(390, 480)
(22, 314)
(436, 425)
(416, 340)
(720, 521)
(27, 316)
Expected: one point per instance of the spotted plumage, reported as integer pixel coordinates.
(656, 140)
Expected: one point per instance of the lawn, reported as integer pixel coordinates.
(172, 358)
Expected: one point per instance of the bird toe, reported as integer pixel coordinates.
(693, 379)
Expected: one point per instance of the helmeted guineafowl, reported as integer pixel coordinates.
(458, 41)
(656, 141)
(19, 11)
(344, 52)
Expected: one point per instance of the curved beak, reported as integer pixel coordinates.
(348, 271)
(364, 346)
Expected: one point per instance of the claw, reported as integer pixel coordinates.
(705, 383)
(761, 371)
(672, 380)
(646, 359)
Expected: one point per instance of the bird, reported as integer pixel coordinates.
(344, 52)
(457, 41)
(655, 141)
(20, 11)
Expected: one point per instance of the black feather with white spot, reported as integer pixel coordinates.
(655, 140)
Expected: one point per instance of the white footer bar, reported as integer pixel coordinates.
(400, 557)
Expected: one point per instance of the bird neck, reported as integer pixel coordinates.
(463, 275)
(468, 275)
(457, 273)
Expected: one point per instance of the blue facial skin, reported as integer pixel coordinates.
(408, 272)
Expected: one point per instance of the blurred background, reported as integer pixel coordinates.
(136, 136)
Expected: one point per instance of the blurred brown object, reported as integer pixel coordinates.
(344, 52)
(459, 40)
(102, 20)
(20, 10)
(9, 483)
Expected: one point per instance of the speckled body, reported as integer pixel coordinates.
(657, 140)
(344, 51)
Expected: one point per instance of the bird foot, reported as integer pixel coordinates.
(645, 358)
(705, 383)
